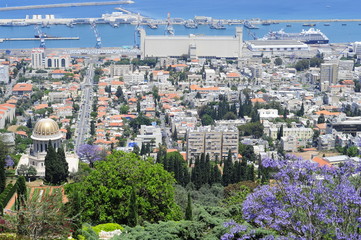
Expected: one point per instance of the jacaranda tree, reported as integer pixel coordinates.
(90, 153)
(306, 201)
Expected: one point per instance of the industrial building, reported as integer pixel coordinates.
(194, 46)
(276, 46)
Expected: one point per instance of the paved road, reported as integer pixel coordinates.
(166, 132)
(83, 124)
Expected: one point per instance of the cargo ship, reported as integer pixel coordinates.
(249, 25)
(309, 24)
(44, 36)
(190, 24)
(218, 26)
(311, 36)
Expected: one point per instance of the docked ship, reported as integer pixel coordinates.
(218, 26)
(311, 36)
(190, 24)
(152, 25)
(249, 25)
(44, 35)
(309, 24)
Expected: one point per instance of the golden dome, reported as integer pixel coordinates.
(46, 127)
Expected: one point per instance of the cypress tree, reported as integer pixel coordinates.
(202, 169)
(53, 168)
(285, 111)
(29, 124)
(1, 209)
(21, 190)
(49, 162)
(217, 174)
(147, 148)
(195, 177)
(227, 170)
(250, 173)
(237, 173)
(133, 210)
(64, 167)
(92, 127)
(243, 169)
(280, 133)
(241, 110)
(207, 169)
(3, 153)
(142, 150)
(189, 212)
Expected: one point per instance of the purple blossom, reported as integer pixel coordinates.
(9, 162)
(90, 153)
(306, 201)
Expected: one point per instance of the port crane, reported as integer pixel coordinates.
(169, 30)
(41, 36)
(252, 34)
(137, 32)
(98, 43)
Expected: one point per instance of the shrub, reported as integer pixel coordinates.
(107, 227)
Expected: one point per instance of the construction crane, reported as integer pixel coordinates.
(169, 30)
(41, 36)
(98, 43)
(252, 34)
(137, 32)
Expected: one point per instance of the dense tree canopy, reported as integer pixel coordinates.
(106, 192)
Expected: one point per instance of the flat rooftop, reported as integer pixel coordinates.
(275, 43)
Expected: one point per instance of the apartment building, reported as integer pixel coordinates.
(215, 141)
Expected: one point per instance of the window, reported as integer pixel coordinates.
(63, 62)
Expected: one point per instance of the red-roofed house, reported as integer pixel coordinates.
(22, 88)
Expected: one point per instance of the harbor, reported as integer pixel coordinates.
(123, 23)
(38, 39)
(134, 19)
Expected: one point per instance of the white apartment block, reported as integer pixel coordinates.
(37, 58)
(4, 73)
(7, 113)
(120, 70)
(149, 134)
(268, 113)
(133, 78)
(215, 141)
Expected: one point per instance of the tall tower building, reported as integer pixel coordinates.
(329, 73)
(37, 58)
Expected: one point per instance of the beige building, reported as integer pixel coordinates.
(299, 133)
(329, 73)
(195, 46)
(215, 141)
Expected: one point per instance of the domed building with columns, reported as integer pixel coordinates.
(46, 130)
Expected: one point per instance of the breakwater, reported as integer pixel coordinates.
(59, 5)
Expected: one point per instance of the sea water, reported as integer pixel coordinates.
(186, 9)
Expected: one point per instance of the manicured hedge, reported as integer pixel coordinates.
(6, 195)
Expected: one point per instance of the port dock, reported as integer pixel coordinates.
(60, 5)
(38, 39)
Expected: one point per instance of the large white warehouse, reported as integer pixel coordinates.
(195, 46)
